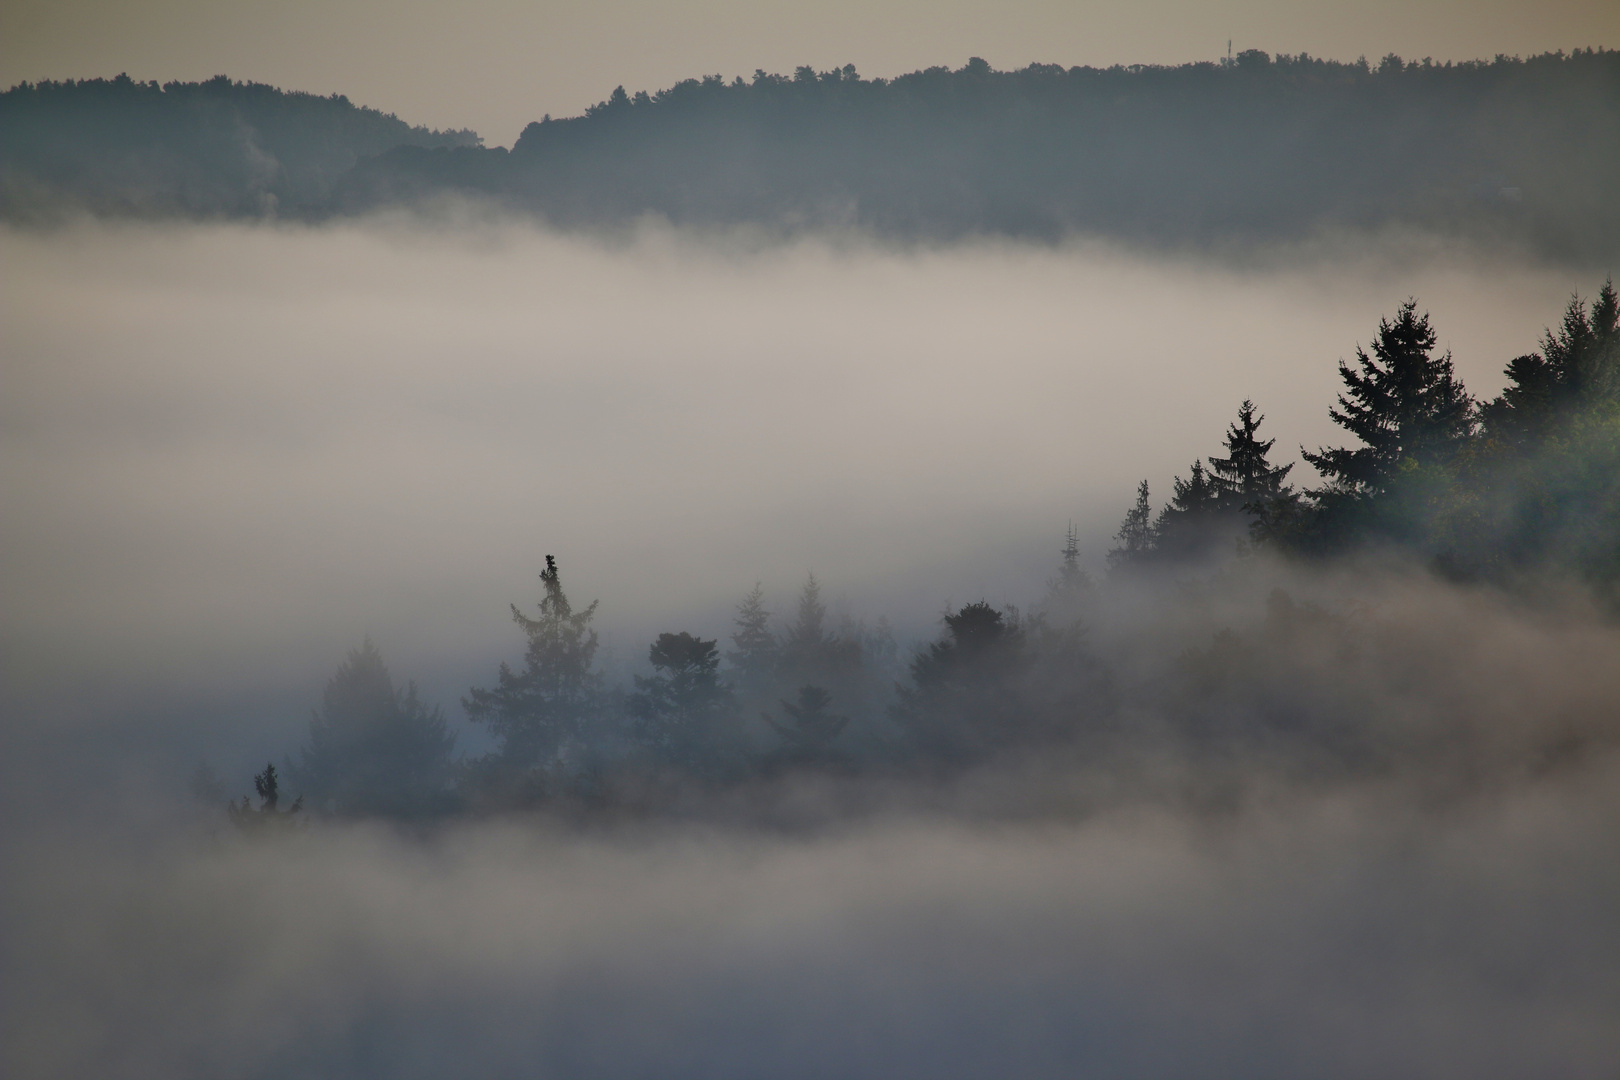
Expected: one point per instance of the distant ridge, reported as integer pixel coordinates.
(1519, 151)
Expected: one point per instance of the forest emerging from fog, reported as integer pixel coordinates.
(1519, 153)
(1497, 499)
(820, 746)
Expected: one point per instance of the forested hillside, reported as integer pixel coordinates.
(1475, 504)
(209, 149)
(1523, 151)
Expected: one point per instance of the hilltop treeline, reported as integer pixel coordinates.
(205, 149)
(1261, 148)
(1187, 650)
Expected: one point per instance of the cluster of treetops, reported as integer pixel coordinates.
(1254, 147)
(1527, 483)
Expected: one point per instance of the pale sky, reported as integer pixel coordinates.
(494, 65)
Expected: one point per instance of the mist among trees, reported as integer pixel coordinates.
(1504, 495)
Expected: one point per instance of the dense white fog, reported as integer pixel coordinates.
(1383, 847)
(231, 452)
(1339, 936)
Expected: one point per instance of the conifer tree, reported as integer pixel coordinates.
(1244, 477)
(809, 729)
(557, 695)
(964, 701)
(682, 713)
(1189, 524)
(1405, 405)
(1136, 538)
(268, 815)
(757, 652)
(1066, 593)
(1578, 366)
(374, 748)
(811, 654)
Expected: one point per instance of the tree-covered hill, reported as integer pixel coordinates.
(1519, 151)
(116, 146)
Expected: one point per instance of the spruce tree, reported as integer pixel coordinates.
(1244, 477)
(1405, 405)
(1189, 525)
(1578, 366)
(1136, 537)
(557, 695)
(683, 713)
(374, 748)
(757, 652)
(809, 728)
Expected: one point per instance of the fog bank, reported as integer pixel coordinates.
(232, 452)
(1342, 936)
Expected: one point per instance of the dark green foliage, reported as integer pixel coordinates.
(1412, 417)
(268, 816)
(1136, 540)
(558, 696)
(1578, 367)
(375, 749)
(683, 714)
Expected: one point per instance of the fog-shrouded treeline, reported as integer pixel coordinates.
(1381, 622)
(210, 149)
(1524, 152)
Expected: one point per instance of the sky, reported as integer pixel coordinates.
(495, 65)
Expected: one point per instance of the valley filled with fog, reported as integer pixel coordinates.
(234, 452)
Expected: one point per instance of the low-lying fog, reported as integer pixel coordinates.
(230, 453)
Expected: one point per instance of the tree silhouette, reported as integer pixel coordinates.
(374, 748)
(558, 694)
(683, 712)
(1578, 366)
(964, 701)
(1404, 404)
(757, 652)
(808, 729)
(1245, 477)
(267, 816)
(1136, 538)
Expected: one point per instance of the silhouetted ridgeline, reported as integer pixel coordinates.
(115, 146)
(1509, 149)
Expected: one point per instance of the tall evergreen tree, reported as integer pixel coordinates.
(1190, 523)
(808, 728)
(1405, 405)
(756, 651)
(1067, 593)
(374, 748)
(683, 712)
(1245, 477)
(965, 701)
(812, 654)
(557, 695)
(1136, 538)
(1578, 366)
